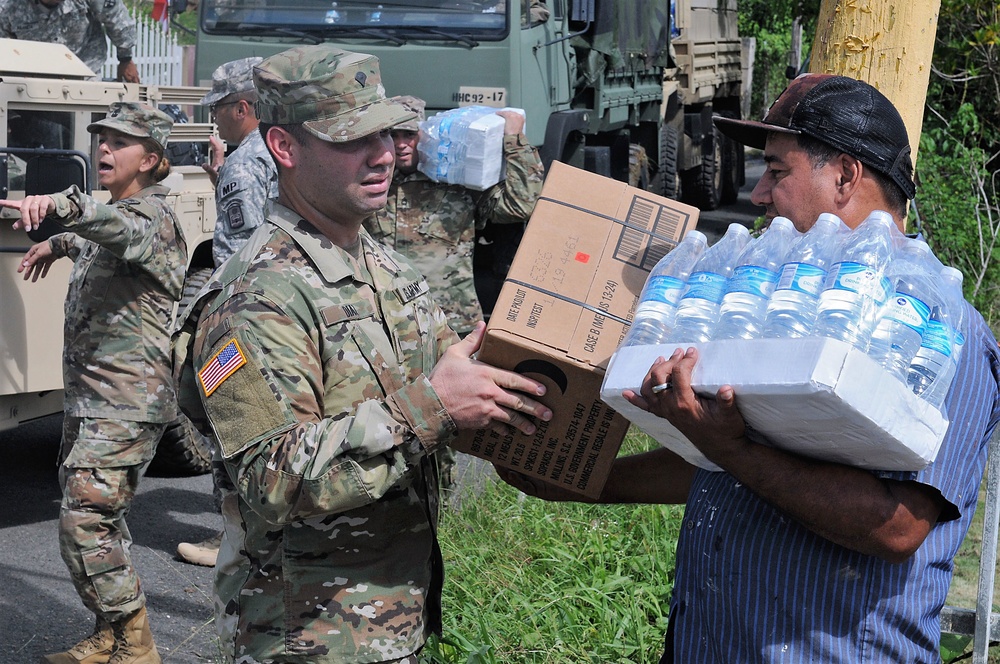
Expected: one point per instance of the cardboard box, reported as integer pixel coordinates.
(565, 306)
(818, 397)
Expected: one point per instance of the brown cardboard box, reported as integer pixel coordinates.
(564, 308)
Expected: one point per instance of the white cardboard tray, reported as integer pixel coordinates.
(818, 397)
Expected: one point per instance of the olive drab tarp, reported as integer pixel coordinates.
(629, 35)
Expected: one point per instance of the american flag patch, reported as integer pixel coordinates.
(222, 366)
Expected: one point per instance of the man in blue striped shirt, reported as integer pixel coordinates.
(783, 558)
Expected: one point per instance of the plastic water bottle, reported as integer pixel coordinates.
(934, 366)
(698, 309)
(856, 287)
(741, 315)
(904, 317)
(443, 145)
(654, 314)
(791, 311)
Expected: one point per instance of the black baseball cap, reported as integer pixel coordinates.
(846, 114)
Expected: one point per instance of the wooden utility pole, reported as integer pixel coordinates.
(887, 43)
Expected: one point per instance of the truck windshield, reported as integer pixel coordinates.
(465, 20)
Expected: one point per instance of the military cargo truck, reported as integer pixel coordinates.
(624, 88)
(604, 83)
(47, 99)
(700, 165)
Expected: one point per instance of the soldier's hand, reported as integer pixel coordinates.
(513, 122)
(216, 155)
(37, 261)
(480, 396)
(128, 72)
(33, 209)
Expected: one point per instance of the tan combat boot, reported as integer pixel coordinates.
(133, 641)
(203, 553)
(95, 649)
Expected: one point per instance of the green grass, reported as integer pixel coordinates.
(567, 583)
(531, 581)
(965, 581)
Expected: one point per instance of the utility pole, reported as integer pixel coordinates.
(887, 43)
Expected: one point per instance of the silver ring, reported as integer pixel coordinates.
(662, 387)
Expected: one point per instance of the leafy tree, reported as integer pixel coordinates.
(966, 68)
(770, 22)
(957, 206)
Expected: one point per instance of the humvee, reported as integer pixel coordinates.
(47, 99)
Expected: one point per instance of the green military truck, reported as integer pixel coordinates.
(622, 88)
(47, 99)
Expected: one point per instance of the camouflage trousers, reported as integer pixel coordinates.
(411, 659)
(101, 462)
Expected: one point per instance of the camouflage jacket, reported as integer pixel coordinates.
(247, 180)
(129, 263)
(434, 225)
(311, 368)
(80, 25)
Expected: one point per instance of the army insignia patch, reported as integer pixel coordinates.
(235, 214)
(222, 366)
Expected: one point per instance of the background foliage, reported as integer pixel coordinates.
(957, 204)
(770, 23)
(956, 207)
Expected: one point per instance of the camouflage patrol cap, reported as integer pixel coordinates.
(414, 104)
(336, 95)
(136, 120)
(230, 78)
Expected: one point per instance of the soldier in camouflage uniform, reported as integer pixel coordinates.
(80, 25)
(246, 179)
(129, 263)
(434, 223)
(327, 375)
(244, 183)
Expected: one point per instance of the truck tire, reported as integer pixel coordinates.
(703, 184)
(638, 167)
(182, 450)
(669, 182)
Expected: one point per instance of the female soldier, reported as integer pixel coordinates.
(130, 260)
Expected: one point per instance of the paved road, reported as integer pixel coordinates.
(39, 610)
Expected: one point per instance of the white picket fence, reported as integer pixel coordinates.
(159, 59)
